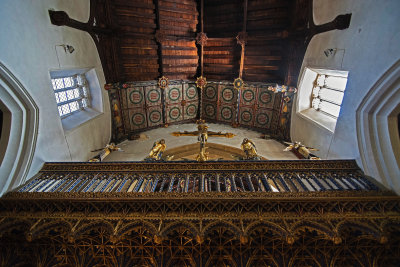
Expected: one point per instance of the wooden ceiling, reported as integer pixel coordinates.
(264, 50)
(142, 40)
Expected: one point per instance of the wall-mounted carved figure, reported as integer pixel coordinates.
(249, 148)
(105, 152)
(301, 149)
(157, 151)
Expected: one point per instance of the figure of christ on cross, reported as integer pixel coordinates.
(203, 134)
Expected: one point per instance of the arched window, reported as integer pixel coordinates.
(72, 94)
(320, 96)
(78, 95)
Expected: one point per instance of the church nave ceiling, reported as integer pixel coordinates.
(261, 41)
(144, 40)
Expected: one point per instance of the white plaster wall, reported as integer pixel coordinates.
(137, 150)
(28, 48)
(372, 45)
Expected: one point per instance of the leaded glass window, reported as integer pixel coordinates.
(72, 94)
(327, 94)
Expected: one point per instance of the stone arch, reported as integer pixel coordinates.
(377, 130)
(22, 137)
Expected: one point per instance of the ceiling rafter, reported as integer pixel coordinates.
(242, 38)
(127, 35)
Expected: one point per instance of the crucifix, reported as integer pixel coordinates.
(203, 134)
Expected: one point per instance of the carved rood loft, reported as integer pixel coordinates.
(265, 213)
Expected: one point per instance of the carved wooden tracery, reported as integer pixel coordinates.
(325, 228)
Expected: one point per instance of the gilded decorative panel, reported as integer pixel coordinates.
(186, 225)
(210, 100)
(248, 96)
(227, 103)
(246, 115)
(191, 101)
(263, 107)
(266, 98)
(263, 118)
(153, 95)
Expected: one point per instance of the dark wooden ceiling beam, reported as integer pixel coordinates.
(136, 24)
(134, 4)
(175, 47)
(160, 38)
(303, 29)
(180, 11)
(133, 13)
(104, 36)
(242, 37)
(181, 57)
(181, 65)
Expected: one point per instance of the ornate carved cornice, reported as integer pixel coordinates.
(200, 228)
(272, 165)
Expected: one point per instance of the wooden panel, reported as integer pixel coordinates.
(173, 100)
(154, 116)
(210, 98)
(227, 103)
(153, 95)
(246, 116)
(248, 96)
(191, 101)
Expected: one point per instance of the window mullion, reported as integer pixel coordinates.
(70, 101)
(65, 89)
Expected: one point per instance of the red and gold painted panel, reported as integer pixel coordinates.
(248, 96)
(181, 102)
(209, 98)
(133, 103)
(227, 103)
(153, 95)
(153, 107)
(191, 98)
(246, 116)
(266, 108)
(173, 100)
(220, 102)
(265, 98)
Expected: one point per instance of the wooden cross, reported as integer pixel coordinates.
(203, 134)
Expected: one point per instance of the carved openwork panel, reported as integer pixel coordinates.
(266, 213)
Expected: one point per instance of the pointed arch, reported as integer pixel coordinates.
(22, 138)
(377, 130)
(189, 226)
